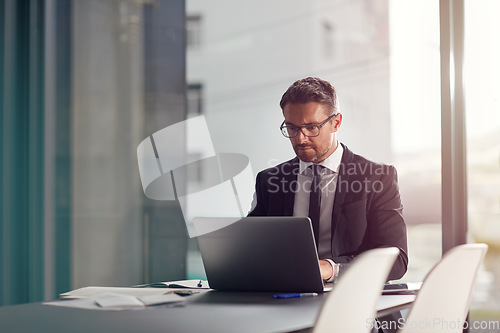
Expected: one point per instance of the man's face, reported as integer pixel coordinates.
(312, 149)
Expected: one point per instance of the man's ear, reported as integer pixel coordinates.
(337, 121)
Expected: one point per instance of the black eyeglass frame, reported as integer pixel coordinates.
(283, 126)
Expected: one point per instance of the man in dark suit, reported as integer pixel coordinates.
(353, 203)
(357, 201)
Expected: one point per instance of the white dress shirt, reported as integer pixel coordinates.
(328, 186)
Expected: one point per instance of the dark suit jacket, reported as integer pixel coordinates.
(367, 210)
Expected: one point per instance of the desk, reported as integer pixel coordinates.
(207, 312)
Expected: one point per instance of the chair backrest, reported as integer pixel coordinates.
(350, 306)
(444, 298)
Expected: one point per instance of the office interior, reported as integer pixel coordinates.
(84, 82)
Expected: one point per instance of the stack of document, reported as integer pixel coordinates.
(122, 298)
(113, 301)
(116, 298)
(88, 292)
(192, 284)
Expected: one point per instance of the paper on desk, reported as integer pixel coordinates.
(191, 284)
(82, 303)
(156, 289)
(161, 299)
(111, 301)
(87, 292)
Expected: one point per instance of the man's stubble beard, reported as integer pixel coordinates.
(316, 157)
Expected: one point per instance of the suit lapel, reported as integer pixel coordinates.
(340, 191)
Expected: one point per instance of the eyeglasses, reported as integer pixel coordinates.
(290, 131)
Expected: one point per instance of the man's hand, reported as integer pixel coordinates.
(326, 269)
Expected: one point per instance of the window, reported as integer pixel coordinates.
(193, 31)
(370, 44)
(328, 37)
(481, 73)
(194, 99)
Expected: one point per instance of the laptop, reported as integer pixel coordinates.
(276, 254)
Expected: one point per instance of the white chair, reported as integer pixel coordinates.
(350, 306)
(444, 298)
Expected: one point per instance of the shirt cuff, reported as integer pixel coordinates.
(335, 270)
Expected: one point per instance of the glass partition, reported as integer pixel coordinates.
(115, 75)
(481, 71)
(380, 56)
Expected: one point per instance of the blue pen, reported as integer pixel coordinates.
(294, 295)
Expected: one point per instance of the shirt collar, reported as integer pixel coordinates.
(332, 162)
